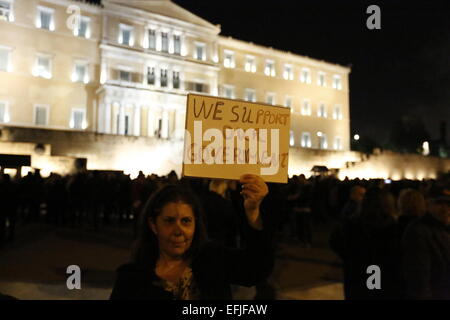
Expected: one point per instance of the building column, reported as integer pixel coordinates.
(150, 123)
(121, 129)
(165, 125)
(107, 117)
(137, 121)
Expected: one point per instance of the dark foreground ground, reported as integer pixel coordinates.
(34, 267)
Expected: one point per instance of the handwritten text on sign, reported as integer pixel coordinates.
(225, 138)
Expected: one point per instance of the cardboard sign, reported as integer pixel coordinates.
(226, 138)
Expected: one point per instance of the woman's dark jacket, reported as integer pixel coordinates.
(214, 269)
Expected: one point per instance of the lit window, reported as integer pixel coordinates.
(337, 83)
(306, 140)
(288, 102)
(337, 143)
(250, 64)
(80, 72)
(270, 99)
(288, 73)
(176, 79)
(41, 115)
(45, 18)
(84, 29)
(164, 42)
(269, 70)
(152, 39)
(5, 60)
(151, 75)
(163, 79)
(43, 67)
(306, 108)
(337, 113)
(322, 140)
(321, 79)
(250, 95)
(322, 110)
(78, 119)
(199, 53)
(291, 138)
(4, 112)
(228, 60)
(126, 36)
(6, 11)
(228, 91)
(177, 44)
(124, 76)
(305, 76)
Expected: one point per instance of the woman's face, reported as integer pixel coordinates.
(174, 227)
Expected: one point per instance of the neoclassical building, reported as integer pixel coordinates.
(124, 68)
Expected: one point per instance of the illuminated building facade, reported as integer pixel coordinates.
(124, 67)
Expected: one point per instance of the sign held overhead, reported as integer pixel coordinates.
(226, 138)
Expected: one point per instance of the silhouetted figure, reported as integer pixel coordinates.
(371, 239)
(426, 251)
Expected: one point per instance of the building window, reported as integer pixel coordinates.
(270, 98)
(151, 75)
(288, 73)
(84, 29)
(322, 140)
(163, 79)
(306, 108)
(126, 36)
(197, 87)
(80, 72)
(177, 44)
(43, 67)
(200, 53)
(6, 11)
(306, 140)
(228, 60)
(4, 112)
(288, 102)
(152, 39)
(337, 112)
(305, 76)
(322, 110)
(164, 42)
(5, 60)
(41, 115)
(78, 119)
(228, 91)
(45, 18)
(337, 143)
(124, 76)
(321, 79)
(250, 64)
(176, 80)
(250, 95)
(269, 70)
(291, 138)
(337, 83)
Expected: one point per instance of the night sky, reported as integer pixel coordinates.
(404, 68)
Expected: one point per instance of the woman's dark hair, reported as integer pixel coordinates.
(146, 249)
(378, 209)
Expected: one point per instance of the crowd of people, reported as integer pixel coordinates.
(400, 226)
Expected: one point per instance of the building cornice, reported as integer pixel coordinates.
(145, 17)
(84, 6)
(284, 55)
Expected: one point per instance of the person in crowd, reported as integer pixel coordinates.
(352, 208)
(411, 205)
(302, 210)
(370, 239)
(174, 260)
(426, 250)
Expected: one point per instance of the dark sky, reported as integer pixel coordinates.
(402, 68)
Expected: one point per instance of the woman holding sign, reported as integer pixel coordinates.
(174, 260)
